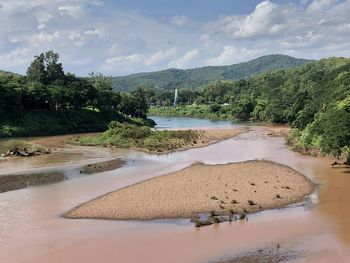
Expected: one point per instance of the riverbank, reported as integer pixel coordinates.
(247, 187)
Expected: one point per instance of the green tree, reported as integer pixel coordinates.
(139, 103)
(54, 70)
(45, 68)
(36, 72)
(106, 98)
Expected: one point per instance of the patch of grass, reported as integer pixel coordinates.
(231, 211)
(216, 220)
(241, 216)
(124, 135)
(199, 223)
(213, 197)
(230, 218)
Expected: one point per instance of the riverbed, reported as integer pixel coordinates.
(32, 228)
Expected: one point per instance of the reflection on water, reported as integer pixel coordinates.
(183, 122)
(30, 219)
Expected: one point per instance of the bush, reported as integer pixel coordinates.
(129, 135)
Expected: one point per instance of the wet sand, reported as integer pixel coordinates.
(249, 186)
(19, 181)
(271, 254)
(278, 130)
(102, 166)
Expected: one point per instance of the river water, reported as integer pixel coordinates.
(32, 229)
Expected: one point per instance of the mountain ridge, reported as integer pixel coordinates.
(196, 77)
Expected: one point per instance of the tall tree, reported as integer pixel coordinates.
(36, 72)
(45, 68)
(54, 70)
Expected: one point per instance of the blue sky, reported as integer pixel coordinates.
(129, 36)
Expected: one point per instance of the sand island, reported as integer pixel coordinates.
(248, 186)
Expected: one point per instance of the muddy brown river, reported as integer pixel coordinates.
(32, 229)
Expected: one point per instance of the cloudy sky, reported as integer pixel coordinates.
(128, 36)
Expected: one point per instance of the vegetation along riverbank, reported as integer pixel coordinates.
(314, 99)
(124, 135)
(49, 101)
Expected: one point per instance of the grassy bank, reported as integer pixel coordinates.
(123, 135)
(214, 112)
(44, 122)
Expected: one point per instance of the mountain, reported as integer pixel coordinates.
(178, 78)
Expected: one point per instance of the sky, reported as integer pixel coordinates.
(122, 37)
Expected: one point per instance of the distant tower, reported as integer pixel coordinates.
(175, 98)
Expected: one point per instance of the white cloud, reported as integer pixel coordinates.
(14, 58)
(321, 5)
(267, 19)
(179, 21)
(232, 54)
(161, 56)
(134, 58)
(283, 28)
(91, 36)
(185, 60)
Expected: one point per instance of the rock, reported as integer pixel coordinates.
(335, 163)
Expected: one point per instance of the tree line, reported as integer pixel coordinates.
(47, 87)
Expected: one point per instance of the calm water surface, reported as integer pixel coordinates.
(32, 229)
(182, 122)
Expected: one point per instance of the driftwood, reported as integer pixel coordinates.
(24, 152)
(344, 163)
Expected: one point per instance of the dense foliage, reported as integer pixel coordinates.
(195, 78)
(212, 111)
(125, 135)
(49, 101)
(314, 99)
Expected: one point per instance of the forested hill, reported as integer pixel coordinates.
(193, 78)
